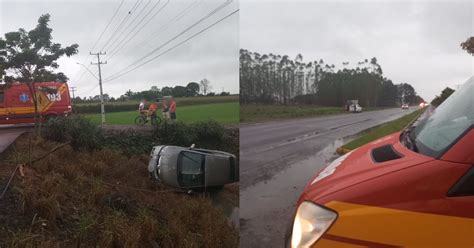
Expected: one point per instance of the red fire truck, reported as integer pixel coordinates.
(410, 189)
(16, 103)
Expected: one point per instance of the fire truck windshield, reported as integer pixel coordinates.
(447, 123)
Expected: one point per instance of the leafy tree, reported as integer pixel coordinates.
(129, 93)
(31, 56)
(441, 98)
(468, 45)
(192, 88)
(179, 91)
(167, 91)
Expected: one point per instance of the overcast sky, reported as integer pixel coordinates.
(416, 42)
(212, 55)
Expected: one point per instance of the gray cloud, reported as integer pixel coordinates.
(212, 55)
(415, 41)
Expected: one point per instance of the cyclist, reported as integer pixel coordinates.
(141, 107)
(152, 111)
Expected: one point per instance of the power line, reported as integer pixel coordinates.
(127, 15)
(175, 18)
(130, 37)
(175, 37)
(90, 91)
(173, 47)
(108, 24)
(131, 23)
(95, 43)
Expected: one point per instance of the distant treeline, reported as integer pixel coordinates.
(192, 89)
(276, 79)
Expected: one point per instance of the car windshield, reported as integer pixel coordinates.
(434, 135)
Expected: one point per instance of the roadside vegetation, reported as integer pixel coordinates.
(262, 112)
(90, 188)
(225, 113)
(380, 131)
(442, 97)
(251, 113)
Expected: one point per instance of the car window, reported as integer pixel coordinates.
(447, 123)
(2, 97)
(192, 169)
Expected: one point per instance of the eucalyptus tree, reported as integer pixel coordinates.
(272, 78)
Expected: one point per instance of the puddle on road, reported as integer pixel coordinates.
(267, 207)
(283, 189)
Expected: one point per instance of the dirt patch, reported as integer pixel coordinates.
(102, 198)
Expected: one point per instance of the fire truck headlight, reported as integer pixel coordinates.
(311, 222)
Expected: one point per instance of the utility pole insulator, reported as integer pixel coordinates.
(102, 107)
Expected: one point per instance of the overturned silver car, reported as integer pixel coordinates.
(189, 168)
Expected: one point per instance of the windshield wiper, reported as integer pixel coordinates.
(409, 139)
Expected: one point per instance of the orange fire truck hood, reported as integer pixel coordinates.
(373, 160)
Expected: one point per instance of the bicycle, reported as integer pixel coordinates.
(143, 119)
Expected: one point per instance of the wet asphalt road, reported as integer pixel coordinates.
(278, 158)
(8, 135)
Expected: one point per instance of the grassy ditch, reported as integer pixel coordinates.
(94, 194)
(255, 113)
(380, 131)
(265, 112)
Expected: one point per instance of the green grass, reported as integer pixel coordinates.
(225, 113)
(256, 113)
(123, 106)
(382, 130)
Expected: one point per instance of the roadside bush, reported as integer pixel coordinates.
(205, 134)
(174, 133)
(81, 132)
(130, 143)
(208, 134)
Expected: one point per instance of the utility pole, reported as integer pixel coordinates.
(73, 90)
(102, 108)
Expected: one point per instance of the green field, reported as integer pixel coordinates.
(256, 113)
(382, 130)
(225, 113)
(123, 106)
